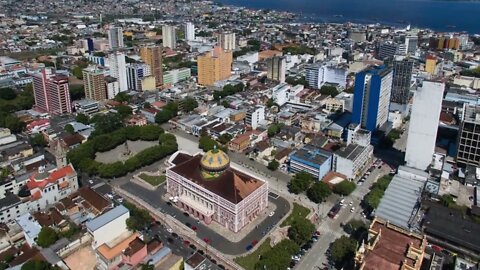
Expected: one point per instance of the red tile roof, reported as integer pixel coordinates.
(52, 178)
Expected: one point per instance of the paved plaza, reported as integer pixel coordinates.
(118, 153)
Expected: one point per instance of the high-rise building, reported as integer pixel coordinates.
(469, 136)
(411, 42)
(255, 115)
(94, 83)
(276, 68)
(115, 37)
(214, 66)
(152, 56)
(402, 77)
(112, 86)
(51, 92)
(189, 31)
(318, 74)
(422, 133)
(118, 69)
(390, 49)
(135, 73)
(226, 40)
(371, 99)
(169, 36)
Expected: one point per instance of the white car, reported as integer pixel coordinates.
(350, 203)
(352, 209)
(110, 196)
(169, 230)
(90, 181)
(271, 214)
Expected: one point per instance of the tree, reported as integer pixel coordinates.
(329, 90)
(168, 112)
(301, 231)
(14, 124)
(356, 228)
(318, 192)
(124, 111)
(35, 264)
(69, 129)
(47, 237)
(139, 218)
(344, 188)
(78, 72)
(300, 182)
(106, 123)
(273, 165)
(189, 104)
(224, 138)
(76, 92)
(122, 97)
(147, 105)
(447, 200)
(82, 118)
(279, 256)
(7, 94)
(343, 249)
(38, 140)
(206, 143)
(274, 129)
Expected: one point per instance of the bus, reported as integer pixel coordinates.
(333, 213)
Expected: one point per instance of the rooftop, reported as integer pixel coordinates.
(232, 185)
(110, 252)
(106, 218)
(351, 152)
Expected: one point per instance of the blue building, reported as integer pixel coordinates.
(90, 45)
(313, 160)
(371, 99)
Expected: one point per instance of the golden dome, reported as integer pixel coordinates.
(215, 161)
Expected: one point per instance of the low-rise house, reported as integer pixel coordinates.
(239, 143)
(108, 226)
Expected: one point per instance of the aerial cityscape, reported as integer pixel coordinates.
(255, 135)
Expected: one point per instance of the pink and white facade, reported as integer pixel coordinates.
(210, 200)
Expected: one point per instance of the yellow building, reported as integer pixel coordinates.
(148, 83)
(214, 66)
(431, 64)
(152, 56)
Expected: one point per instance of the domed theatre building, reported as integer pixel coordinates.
(207, 187)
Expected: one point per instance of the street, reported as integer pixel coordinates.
(330, 229)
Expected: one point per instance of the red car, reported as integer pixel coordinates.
(317, 233)
(186, 242)
(194, 228)
(254, 242)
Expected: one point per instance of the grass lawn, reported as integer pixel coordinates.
(248, 262)
(297, 212)
(153, 180)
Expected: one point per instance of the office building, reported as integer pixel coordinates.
(174, 76)
(115, 37)
(118, 69)
(402, 77)
(352, 160)
(390, 49)
(94, 83)
(135, 73)
(152, 56)
(51, 92)
(214, 66)
(226, 40)
(255, 116)
(169, 36)
(189, 31)
(276, 68)
(422, 133)
(112, 86)
(318, 74)
(469, 136)
(207, 187)
(371, 99)
(411, 43)
(311, 159)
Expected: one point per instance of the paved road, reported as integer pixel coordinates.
(154, 198)
(330, 229)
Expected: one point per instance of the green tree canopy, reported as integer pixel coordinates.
(301, 231)
(274, 129)
(47, 237)
(279, 256)
(82, 118)
(76, 92)
(343, 250)
(106, 123)
(38, 265)
(189, 104)
(38, 140)
(224, 138)
(329, 90)
(122, 97)
(206, 143)
(124, 110)
(7, 94)
(168, 112)
(344, 188)
(318, 192)
(69, 129)
(273, 165)
(139, 218)
(300, 182)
